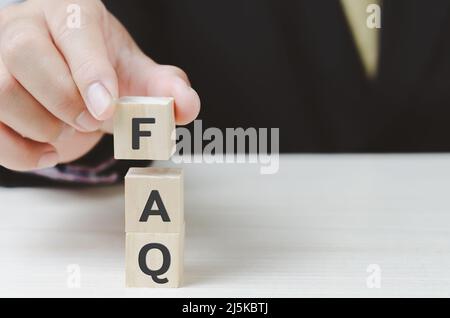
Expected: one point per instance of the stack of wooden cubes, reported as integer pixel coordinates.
(144, 129)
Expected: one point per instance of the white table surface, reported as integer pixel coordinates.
(310, 230)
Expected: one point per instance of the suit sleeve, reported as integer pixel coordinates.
(97, 168)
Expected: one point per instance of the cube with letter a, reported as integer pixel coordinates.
(154, 200)
(144, 128)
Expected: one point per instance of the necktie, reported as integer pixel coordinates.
(366, 38)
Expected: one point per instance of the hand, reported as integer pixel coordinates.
(58, 82)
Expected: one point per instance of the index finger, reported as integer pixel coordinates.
(85, 51)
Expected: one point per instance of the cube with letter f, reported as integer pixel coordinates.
(144, 128)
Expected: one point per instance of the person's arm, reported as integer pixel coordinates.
(96, 168)
(58, 80)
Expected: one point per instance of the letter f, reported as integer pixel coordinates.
(138, 133)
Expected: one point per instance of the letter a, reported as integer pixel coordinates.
(161, 209)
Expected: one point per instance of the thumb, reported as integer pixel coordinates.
(150, 79)
(145, 77)
(139, 75)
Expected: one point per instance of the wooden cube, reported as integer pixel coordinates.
(154, 200)
(144, 128)
(154, 259)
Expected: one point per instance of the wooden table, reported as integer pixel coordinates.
(313, 229)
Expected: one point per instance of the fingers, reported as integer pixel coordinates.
(41, 78)
(33, 60)
(21, 154)
(85, 52)
(76, 146)
(58, 75)
(21, 112)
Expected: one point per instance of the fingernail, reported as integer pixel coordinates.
(98, 99)
(86, 122)
(66, 132)
(49, 159)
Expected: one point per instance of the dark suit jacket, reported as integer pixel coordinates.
(293, 65)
